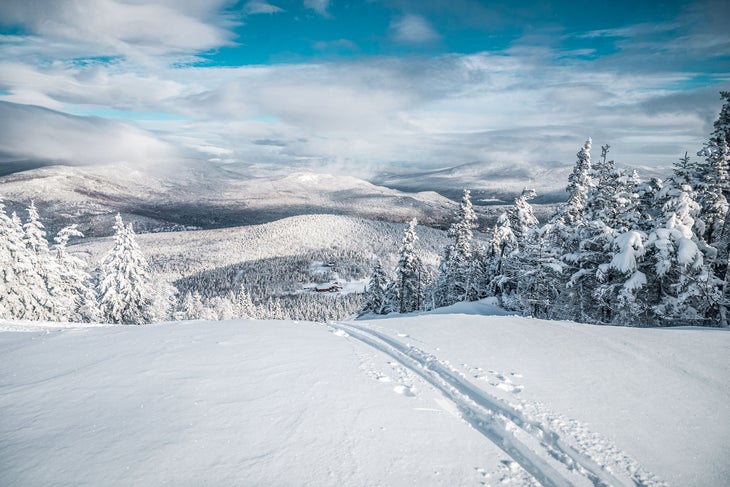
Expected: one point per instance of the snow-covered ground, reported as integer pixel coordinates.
(444, 399)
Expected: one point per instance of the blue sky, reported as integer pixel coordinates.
(358, 87)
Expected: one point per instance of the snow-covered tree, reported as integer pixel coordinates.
(579, 184)
(408, 290)
(521, 216)
(76, 297)
(375, 295)
(126, 292)
(12, 253)
(713, 181)
(191, 307)
(455, 271)
(40, 273)
(681, 287)
(244, 305)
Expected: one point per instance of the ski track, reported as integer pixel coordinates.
(502, 423)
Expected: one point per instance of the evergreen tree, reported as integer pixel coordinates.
(579, 184)
(191, 307)
(244, 305)
(721, 133)
(375, 296)
(713, 182)
(11, 248)
(41, 274)
(126, 293)
(521, 217)
(408, 290)
(566, 231)
(681, 287)
(537, 271)
(501, 247)
(455, 271)
(76, 297)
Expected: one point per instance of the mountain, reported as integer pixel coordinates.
(455, 398)
(489, 183)
(192, 195)
(498, 184)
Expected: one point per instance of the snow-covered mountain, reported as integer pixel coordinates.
(495, 184)
(444, 399)
(206, 196)
(489, 183)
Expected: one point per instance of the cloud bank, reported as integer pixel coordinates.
(124, 81)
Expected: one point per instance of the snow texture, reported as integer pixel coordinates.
(453, 398)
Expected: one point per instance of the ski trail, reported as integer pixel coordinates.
(494, 418)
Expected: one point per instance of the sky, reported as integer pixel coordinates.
(358, 87)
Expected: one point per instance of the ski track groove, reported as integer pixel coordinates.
(489, 415)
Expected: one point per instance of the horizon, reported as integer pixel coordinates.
(361, 87)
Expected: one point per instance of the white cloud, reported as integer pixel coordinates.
(413, 29)
(38, 133)
(115, 27)
(319, 6)
(521, 107)
(254, 7)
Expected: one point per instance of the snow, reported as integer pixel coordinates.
(448, 398)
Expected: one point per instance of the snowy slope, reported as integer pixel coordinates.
(443, 399)
(178, 254)
(204, 195)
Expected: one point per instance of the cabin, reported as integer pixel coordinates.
(329, 287)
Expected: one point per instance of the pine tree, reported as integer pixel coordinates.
(455, 276)
(126, 293)
(521, 216)
(713, 181)
(76, 297)
(408, 290)
(721, 133)
(567, 232)
(41, 274)
(501, 247)
(191, 307)
(244, 305)
(681, 287)
(579, 184)
(11, 246)
(375, 296)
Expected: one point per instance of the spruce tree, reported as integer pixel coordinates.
(126, 293)
(41, 274)
(11, 245)
(76, 295)
(375, 294)
(408, 290)
(455, 271)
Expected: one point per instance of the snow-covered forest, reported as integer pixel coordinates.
(620, 251)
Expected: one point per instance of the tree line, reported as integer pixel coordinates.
(619, 251)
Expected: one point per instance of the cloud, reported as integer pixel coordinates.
(34, 133)
(123, 28)
(254, 7)
(532, 102)
(413, 29)
(319, 6)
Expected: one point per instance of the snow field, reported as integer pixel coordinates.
(440, 399)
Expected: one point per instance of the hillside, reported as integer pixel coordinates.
(443, 399)
(203, 195)
(174, 255)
